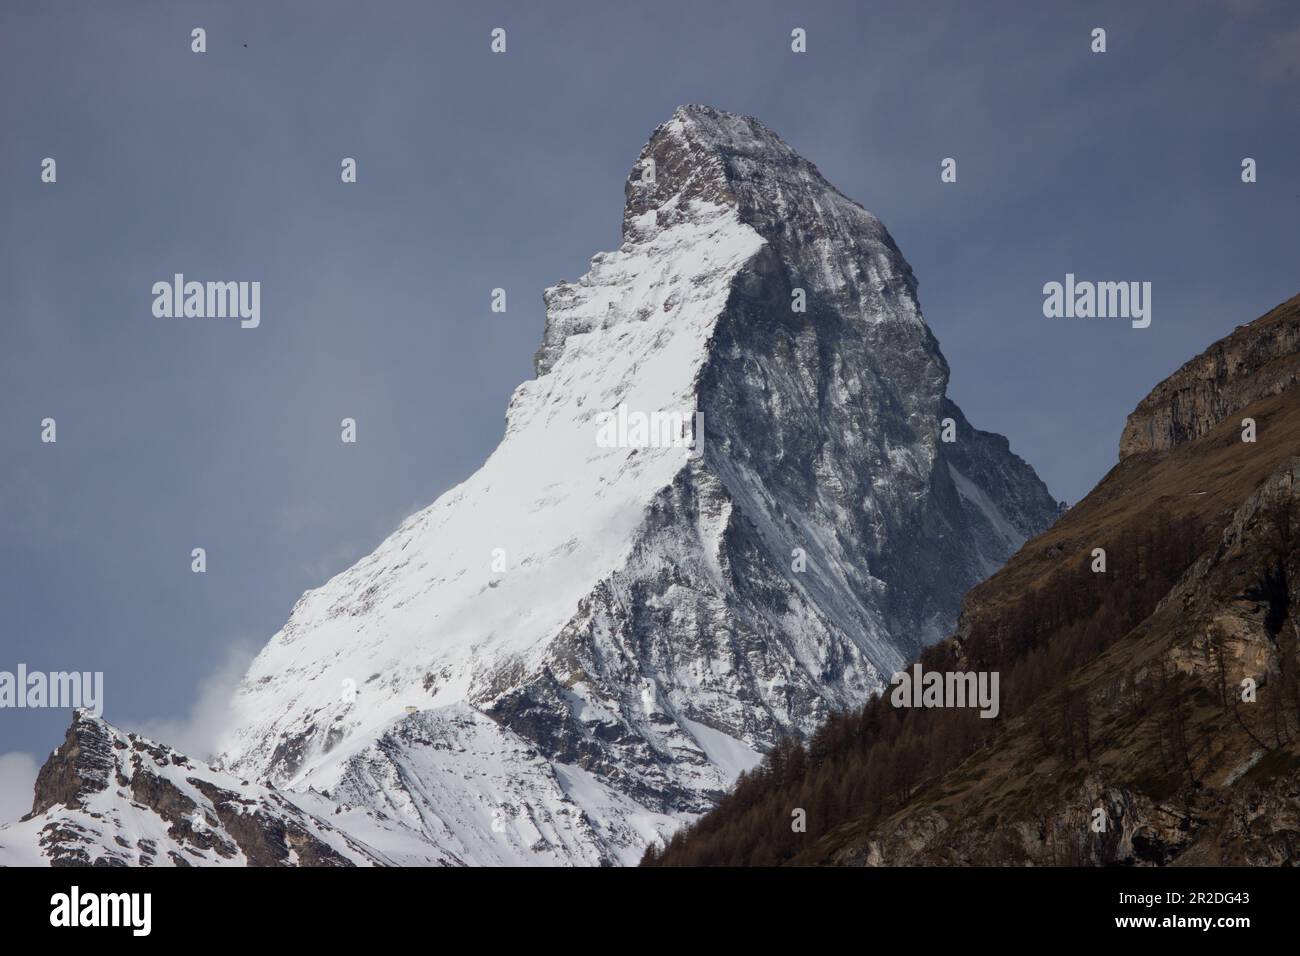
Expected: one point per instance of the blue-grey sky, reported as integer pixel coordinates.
(478, 170)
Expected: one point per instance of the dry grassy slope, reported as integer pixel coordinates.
(1206, 478)
(1236, 801)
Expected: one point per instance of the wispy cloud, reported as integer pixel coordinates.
(198, 734)
(17, 777)
(1280, 61)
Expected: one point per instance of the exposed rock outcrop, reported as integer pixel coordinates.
(1254, 362)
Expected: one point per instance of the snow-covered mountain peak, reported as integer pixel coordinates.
(618, 627)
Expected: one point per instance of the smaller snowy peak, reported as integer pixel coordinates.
(105, 798)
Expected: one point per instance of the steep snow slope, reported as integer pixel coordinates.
(595, 640)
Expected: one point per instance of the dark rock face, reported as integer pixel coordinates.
(1151, 707)
(822, 439)
(82, 765)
